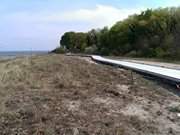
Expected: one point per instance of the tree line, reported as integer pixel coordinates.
(152, 33)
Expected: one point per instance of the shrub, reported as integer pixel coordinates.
(59, 50)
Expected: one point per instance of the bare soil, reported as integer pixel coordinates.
(63, 95)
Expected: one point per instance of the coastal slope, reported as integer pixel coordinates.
(56, 94)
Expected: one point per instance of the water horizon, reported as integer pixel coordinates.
(14, 54)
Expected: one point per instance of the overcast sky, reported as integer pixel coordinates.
(38, 24)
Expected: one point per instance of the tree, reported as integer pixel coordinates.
(74, 42)
(92, 38)
(67, 40)
(152, 33)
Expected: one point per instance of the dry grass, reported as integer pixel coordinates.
(56, 94)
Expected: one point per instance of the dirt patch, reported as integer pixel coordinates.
(136, 110)
(57, 94)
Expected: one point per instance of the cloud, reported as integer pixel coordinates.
(43, 29)
(101, 15)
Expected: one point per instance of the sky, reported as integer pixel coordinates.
(39, 24)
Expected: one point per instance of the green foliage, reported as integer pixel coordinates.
(74, 42)
(103, 45)
(92, 38)
(60, 50)
(91, 50)
(175, 109)
(153, 33)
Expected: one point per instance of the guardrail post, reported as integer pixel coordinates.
(178, 86)
(132, 78)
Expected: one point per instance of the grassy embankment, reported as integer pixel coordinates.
(56, 94)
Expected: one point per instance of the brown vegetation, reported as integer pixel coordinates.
(61, 95)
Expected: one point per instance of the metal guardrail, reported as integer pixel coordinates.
(161, 72)
(171, 75)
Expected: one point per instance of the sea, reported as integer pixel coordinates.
(14, 54)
